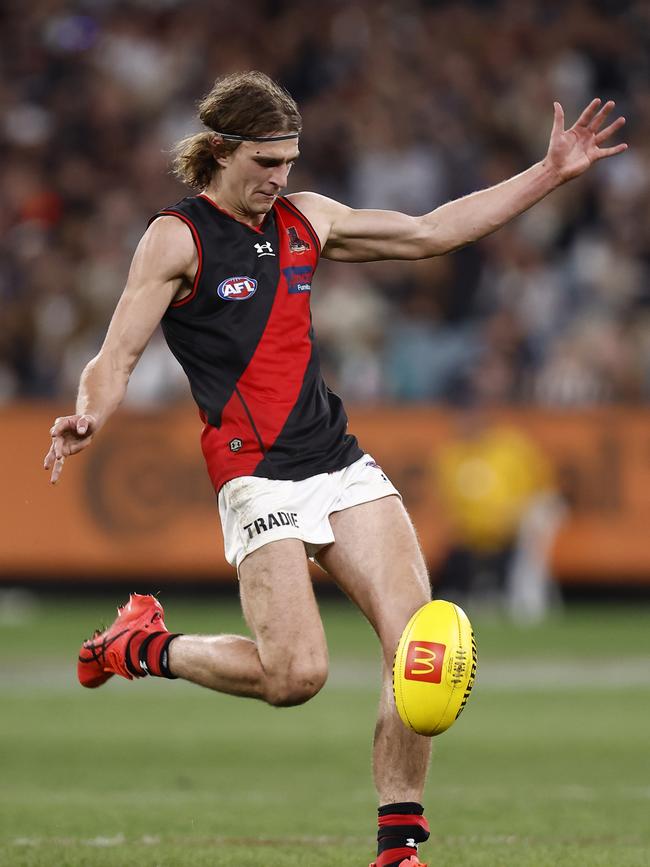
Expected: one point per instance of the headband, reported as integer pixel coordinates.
(258, 138)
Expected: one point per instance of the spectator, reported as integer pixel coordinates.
(404, 107)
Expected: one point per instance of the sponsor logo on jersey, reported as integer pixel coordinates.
(268, 522)
(424, 661)
(235, 445)
(298, 279)
(237, 288)
(296, 243)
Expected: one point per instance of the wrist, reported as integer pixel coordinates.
(550, 174)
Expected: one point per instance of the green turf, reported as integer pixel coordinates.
(160, 773)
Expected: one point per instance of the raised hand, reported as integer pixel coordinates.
(572, 151)
(70, 435)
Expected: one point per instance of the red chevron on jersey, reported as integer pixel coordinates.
(268, 390)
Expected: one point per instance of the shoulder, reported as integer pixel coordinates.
(321, 211)
(168, 245)
(315, 206)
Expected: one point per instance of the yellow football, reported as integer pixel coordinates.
(434, 667)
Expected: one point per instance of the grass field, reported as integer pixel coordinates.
(550, 764)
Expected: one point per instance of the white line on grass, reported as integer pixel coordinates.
(533, 675)
(306, 840)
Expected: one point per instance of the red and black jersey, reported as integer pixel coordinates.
(245, 340)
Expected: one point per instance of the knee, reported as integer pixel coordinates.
(394, 618)
(296, 683)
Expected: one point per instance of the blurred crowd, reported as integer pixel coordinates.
(405, 106)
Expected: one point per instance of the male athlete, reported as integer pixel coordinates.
(228, 274)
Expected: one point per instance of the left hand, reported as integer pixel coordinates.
(572, 151)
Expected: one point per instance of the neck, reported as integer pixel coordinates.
(230, 204)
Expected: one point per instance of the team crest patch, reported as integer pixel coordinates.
(296, 243)
(237, 288)
(298, 279)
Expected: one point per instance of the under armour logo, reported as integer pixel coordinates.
(264, 249)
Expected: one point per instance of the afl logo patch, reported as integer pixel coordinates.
(237, 288)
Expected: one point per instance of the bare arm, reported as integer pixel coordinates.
(365, 235)
(164, 260)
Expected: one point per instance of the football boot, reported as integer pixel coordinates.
(407, 862)
(104, 654)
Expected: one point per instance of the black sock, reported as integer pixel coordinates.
(148, 653)
(401, 827)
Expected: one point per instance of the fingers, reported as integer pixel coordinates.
(54, 460)
(589, 113)
(601, 116)
(55, 463)
(50, 457)
(61, 425)
(610, 152)
(558, 118)
(59, 451)
(604, 134)
(57, 470)
(70, 435)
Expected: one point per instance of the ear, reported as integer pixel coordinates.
(217, 145)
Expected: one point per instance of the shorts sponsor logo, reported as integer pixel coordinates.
(268, 522)
(377, 467)
(424, 661)
(298, 279)
(237, 288)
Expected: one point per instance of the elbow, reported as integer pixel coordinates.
(431, 241)
(106, 375)
(115, 366)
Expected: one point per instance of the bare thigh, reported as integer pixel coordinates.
(280, 608)
(376, 560)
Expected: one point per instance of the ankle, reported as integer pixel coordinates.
(402, 827)
(148, 653)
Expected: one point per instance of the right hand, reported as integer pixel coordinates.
(70, 435)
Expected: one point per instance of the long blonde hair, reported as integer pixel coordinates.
(243, 103)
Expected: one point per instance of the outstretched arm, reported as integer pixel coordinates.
(164, 258)
(365, 235)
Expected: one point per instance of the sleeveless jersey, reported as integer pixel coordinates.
(245, 340)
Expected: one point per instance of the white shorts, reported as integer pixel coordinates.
(257, 511)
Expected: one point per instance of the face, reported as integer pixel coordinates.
(257, 172)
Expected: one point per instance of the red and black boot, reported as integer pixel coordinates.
(134, 645)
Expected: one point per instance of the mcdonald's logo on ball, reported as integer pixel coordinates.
(424, 661)
(434, 668)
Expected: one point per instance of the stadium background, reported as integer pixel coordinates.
(545, 326)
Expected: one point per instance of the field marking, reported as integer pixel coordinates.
(151, 840)
(570, 675)
(323, 840)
